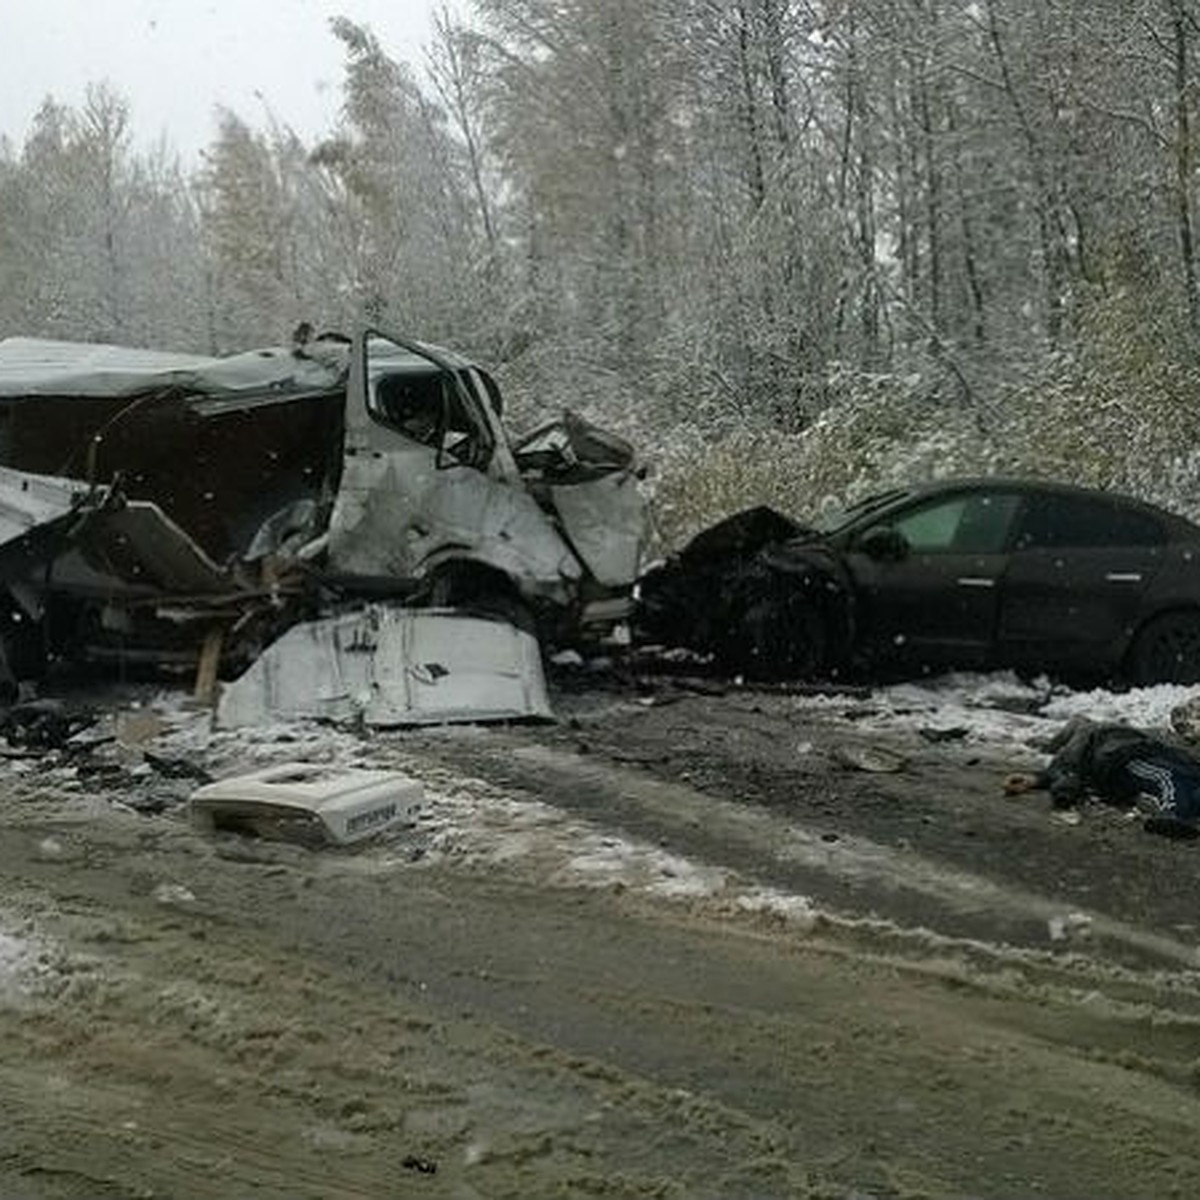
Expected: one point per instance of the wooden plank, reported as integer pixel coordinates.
(210, 662)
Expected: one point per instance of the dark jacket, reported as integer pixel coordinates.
(1126, 767)
(1091, 758)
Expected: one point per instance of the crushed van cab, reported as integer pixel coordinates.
(149, 498)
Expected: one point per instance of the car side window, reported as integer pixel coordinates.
(425, 407)
(932, 527)
(976, 523)
(412, 404)
(1053, 522)
(986, 522)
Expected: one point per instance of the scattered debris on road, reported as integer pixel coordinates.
(874, 760)
(41, 725)
(1068, 926)
(955, 733)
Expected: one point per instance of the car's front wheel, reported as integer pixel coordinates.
(779, 637)
(1166, 650)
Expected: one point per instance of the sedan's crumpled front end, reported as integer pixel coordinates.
(758, 592)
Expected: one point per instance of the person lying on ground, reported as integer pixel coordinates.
(1124, 767)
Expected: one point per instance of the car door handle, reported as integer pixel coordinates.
(1123, 577)
(976, 581)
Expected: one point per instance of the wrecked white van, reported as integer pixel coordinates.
(148, 499)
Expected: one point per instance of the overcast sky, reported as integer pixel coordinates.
(176, 60)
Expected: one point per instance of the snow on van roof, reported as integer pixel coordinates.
(41, 367)
(44, 367)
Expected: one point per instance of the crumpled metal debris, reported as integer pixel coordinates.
(43, 725)
(1185, 720)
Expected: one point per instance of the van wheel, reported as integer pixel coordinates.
(475, 588)
(1166, 650)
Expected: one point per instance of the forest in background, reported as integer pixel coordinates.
(795, 249)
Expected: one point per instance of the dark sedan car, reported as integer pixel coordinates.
(962, 573)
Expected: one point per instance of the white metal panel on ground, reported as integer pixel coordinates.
(347, 803)
(392, 666)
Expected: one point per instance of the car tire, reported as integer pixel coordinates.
(1166, 650)
(782, 638)
(808, 651)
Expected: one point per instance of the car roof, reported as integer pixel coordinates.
(1027, 485)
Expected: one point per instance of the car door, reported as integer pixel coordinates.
(428, 478)
(936, 603)
(1077, 577)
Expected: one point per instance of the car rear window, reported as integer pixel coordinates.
(1056, 521)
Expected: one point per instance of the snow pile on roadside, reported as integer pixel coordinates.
(472, 823)
(1148, 708)
(999, 709)
(190, 734)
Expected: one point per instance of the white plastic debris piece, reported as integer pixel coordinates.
(1072, 924)
(18, 962)
(392, 666)
(50, 849)
(136, 727)
(299, 800)
(1067, 816)
(174, 893)
(875, 760)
